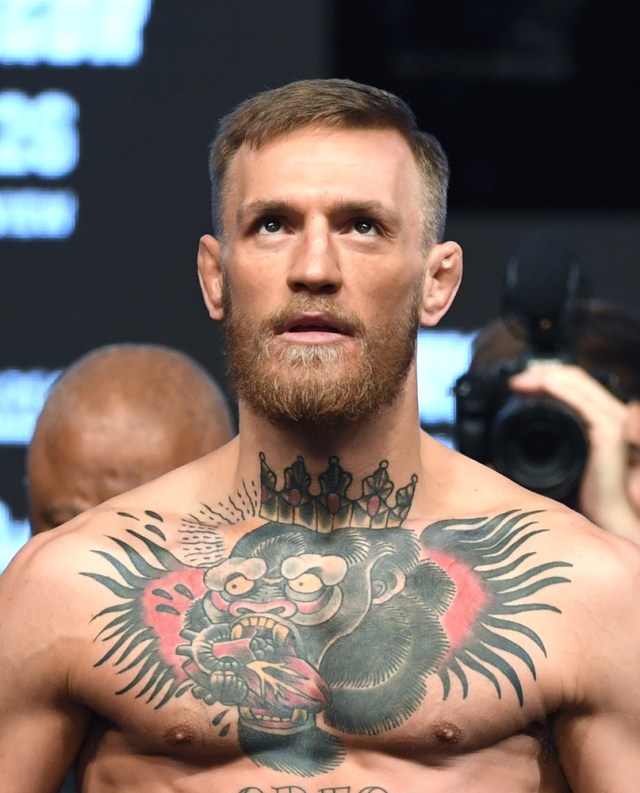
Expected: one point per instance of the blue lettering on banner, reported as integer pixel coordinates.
(63, 33)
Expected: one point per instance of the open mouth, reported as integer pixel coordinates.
(313, 324)
(279, 633)
(310, 328)
(256, 666)
(264, 721)
(282, 678)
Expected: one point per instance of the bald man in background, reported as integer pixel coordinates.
(120, 416)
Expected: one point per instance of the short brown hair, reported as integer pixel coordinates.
(332, 103)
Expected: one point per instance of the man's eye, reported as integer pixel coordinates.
(364, 226)
(269, 226)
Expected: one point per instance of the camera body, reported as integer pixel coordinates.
(537, 442)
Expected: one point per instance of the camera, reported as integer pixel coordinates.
(537, 442)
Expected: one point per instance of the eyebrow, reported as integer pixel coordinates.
(341, 206)
(262, 207)
(376, 208)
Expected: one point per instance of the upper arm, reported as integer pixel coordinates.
(41, 728)
(600, 750)
(598, 735)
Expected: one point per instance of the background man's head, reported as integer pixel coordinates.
(335, 104)
(118, 417)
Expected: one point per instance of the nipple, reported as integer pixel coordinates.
(180, 735)
(446, 732)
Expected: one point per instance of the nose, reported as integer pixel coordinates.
(315, 266)
(278, 607)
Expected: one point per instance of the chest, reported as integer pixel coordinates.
(274, 651)
(279, 724)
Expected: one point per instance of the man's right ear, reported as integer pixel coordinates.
(210, 275)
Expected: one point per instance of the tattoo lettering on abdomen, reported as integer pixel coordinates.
(298, 789)
(331, 608)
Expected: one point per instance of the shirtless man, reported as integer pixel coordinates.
(118, 417)
(333, 601)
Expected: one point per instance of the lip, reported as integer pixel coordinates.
(312, 328)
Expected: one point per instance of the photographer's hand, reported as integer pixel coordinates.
(604, 491)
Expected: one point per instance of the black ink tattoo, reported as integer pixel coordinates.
(329, 606)
(297, 789)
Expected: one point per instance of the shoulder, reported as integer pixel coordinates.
(607, 571)
(45, 569)
(158, 507)
(595, 647)
(603, 562)
(598, 630)
(52, 590)
(46, 608)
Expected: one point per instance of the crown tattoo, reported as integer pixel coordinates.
(332, 508)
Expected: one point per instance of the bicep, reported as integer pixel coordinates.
(600, 751)
(38, 743)
(598, 734)
(41, 727)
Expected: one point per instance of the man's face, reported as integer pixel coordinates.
(324, 260)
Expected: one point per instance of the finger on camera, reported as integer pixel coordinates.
(568, 383)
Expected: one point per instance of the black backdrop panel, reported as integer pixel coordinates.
(536, 103)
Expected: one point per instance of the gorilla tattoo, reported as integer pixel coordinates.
(349, 623)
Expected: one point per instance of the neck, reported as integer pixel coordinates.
(386, 447)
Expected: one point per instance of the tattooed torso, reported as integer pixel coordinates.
(296, 639)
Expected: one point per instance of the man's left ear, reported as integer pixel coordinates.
(444, 272)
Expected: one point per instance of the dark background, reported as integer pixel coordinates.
(535, 102)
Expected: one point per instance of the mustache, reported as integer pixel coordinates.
(348, 320)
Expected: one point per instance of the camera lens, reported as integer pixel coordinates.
(540, 444)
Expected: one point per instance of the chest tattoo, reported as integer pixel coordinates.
(328, 608)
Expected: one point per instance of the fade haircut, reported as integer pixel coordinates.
(338, 104)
